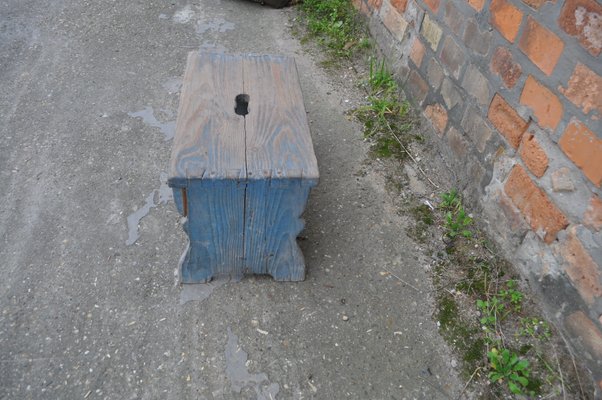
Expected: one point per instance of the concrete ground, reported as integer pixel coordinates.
(90, 238)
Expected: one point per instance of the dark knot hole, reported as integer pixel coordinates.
(242, 104)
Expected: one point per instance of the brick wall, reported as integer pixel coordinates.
(513, 91)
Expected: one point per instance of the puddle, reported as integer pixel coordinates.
(200, 291)
(148, 117)
(183, 15)
(217, 25)
(239, 376)
(156, 197)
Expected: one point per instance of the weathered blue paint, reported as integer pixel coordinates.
(242, 181)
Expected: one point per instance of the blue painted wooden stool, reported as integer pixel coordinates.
(242, 166)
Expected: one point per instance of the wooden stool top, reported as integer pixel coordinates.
(241, 117)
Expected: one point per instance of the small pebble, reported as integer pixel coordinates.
(345, 318)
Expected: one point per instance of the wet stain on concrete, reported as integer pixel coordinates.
(200, 291)
(158, 196)
(240, 377)
(148, 117)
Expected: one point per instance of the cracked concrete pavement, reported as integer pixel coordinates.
(88, 99)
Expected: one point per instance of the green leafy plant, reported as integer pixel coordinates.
(380, 78)
(507, 367)
(450, 201)
(535, 327)
(457, 223)
(512, 295)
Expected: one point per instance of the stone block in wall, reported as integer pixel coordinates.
(457, 143)
(375, 4)
(433, 5)
(593, 215)
(434, 73)
(476, 4)
(431, 32)
(586, 331)
(581, 18)
(476, 85)
(581, 268)
(584, 88)
(503, 64)
(533, 155)
(583, 147)
(450, 93)
(453, 18)
(476, 39)
(506, 18)
(417, 87)
(393, 21)
(544, 217)
(453, 57)
(417, 52)
(547, 109)
(476, 128)
(437, 115)
(562, 180)
(541, 45)
(507, 120)
(399, 5)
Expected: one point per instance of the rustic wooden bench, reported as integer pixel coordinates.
(242, 166)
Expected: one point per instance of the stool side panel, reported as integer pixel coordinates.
(209, 139)
(278, 139)
(274, 210)
(216, 226)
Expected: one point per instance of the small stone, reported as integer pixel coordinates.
(561, 180)
(454, 363)
(345, 318)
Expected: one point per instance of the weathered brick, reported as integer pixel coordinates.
(361, 7)
(449, 92)
(593, 215)
(476, 128)
(506, 120)
(583, 147)
(453, 18)
(476, 39)
(584, 89)
(545, 105)
(417, 52)
(400, 5)
(582, 327)
(506, 18)
(434, 73)
(417, 87)
(503, 64)
(433, 5)
(476, 84)
(583, 19)
(375, 4)
(431, 32)
(543, 216)
(452, 57)
(458, 144)
(542, 46)
(534, 157)
(581, 268)
(438, 117)
(394, 21)
(476, 4)
(562, 180)
(535, 4)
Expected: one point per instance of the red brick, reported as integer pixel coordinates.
(506, 120)
(453, 18)
(417, 52)
(541, 46)
(584, 89)
(545, 105)
(476, 4)
(417, 87)
(503, 64)
(361, 6)
(394, 22)
(583, 327)
(543, 216)
(583, 19)
(583, 147)
(375, 4)
(506, 18)
(535, 4)
(533, 155)
(593, 215)
(400, 5)
(433, 5)
(581, 268)
(438, 117)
